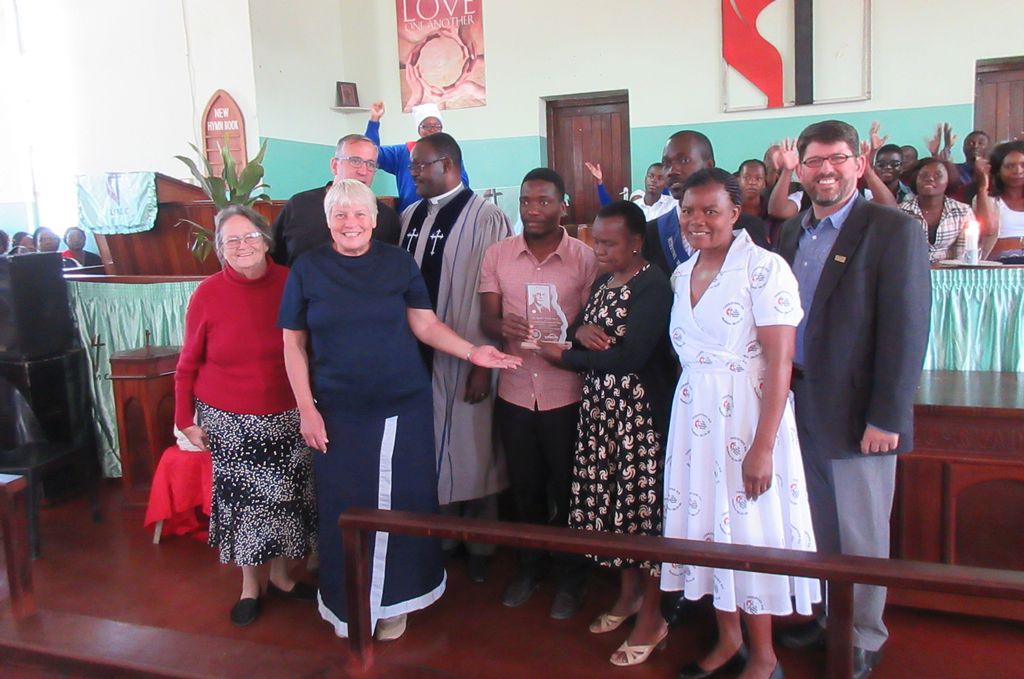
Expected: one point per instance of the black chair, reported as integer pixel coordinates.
(25, 451)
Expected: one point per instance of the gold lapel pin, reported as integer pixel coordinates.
(840, 258)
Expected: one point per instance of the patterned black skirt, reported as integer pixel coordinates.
(264, 498)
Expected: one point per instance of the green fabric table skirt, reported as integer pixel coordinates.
(116, 316)
(977, 324)
(977, 320)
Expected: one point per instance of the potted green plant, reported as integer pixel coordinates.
(229, 188)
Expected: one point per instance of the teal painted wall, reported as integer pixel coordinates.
(13, 217)
(294, 166)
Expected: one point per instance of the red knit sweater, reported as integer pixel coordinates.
(233, 356)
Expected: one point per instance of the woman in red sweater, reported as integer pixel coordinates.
(231, 373)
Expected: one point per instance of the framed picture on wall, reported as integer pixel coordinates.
(347, 94)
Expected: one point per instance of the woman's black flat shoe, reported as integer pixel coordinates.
(300, 591)
(733, 665)
(245, 612)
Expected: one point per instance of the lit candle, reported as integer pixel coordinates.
(971, 231)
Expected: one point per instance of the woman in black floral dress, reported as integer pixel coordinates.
(621, 342)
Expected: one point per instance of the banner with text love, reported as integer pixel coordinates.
(441, 53)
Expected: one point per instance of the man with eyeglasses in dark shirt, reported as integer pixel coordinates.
(302, 223)
(888, 166)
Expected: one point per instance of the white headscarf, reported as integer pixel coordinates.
(424, 111)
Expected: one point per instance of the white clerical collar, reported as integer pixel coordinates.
(437, 199)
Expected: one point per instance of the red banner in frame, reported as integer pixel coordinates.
(441, 53)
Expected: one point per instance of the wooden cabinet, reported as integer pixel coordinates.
(144, 398)
(959, 494)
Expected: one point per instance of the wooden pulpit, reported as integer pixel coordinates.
(144, 399)
(164, 249)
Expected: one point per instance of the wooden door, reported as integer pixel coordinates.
(999, 98)
(589, 128)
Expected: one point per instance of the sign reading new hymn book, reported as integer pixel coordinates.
(223, 125)
(441, 53)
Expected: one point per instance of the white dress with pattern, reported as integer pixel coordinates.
(714, 416)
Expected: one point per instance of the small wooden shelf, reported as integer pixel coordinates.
(350, 109)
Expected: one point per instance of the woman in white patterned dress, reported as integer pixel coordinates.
(733, 467)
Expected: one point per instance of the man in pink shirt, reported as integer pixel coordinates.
(538, 405)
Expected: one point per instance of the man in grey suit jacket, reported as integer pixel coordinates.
(866, 293)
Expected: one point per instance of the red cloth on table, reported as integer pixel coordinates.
(182, 484)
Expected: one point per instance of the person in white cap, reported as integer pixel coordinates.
(394, 159)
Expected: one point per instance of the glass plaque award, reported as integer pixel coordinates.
(546, 319)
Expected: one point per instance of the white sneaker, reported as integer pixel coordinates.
(389, 629)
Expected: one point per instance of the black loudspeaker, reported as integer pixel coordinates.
(35, 319)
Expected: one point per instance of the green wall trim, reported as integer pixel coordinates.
(294, 166)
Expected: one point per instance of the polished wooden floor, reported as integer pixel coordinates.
(105, 592)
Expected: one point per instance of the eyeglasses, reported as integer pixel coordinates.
(835, 160)
(432, 127)
(889, 163)
(418, 167)
(234, 242)
(357, 162)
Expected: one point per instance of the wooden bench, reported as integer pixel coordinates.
(17, 550)
(839, 571)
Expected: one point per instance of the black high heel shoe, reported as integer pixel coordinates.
(733, 665)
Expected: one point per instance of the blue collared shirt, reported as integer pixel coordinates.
(812, 251)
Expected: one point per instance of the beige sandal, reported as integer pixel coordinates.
(389, 629)
(607, 622)
(626, 655)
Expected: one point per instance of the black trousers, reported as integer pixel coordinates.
(539, 447)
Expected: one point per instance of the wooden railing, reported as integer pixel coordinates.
(839, 571)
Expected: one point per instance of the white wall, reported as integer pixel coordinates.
(115, 85)
(297, 59)
(668, 55)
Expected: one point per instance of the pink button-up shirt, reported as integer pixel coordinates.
(508, 268)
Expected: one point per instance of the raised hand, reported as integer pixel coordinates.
(596, 171)
(487, 356)
(868, 151)
(877, 141)
(948, 140)
(982, 174)
(376, 111)
(934, 144)
(789, 157)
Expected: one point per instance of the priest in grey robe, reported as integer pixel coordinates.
(447, 232)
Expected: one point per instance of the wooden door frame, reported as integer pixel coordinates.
(995, 65)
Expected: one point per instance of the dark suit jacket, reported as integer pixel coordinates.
(302, 225)
(866, 332)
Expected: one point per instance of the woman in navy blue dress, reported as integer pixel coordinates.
(352, 313)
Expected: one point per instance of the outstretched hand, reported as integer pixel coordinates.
(982, 174)
(376, 111)
(487, 356)
(596, 171)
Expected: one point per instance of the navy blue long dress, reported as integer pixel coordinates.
(373, 391)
